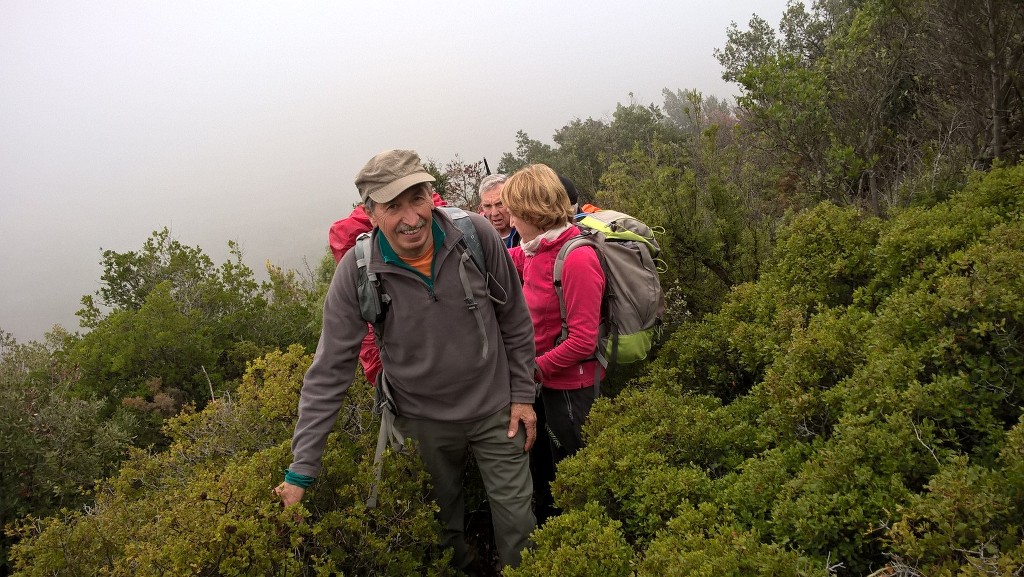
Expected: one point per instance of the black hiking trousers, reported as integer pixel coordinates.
(565, 412)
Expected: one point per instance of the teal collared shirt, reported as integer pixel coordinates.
(391, 257)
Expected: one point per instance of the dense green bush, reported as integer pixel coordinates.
(580, 543)
(716, 548)
(205, 505)
(53, 445)
(856, 408)
(167, 319)
(820, 259)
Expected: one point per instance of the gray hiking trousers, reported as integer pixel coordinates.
(504, 469)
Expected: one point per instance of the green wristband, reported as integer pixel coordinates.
(298, 480)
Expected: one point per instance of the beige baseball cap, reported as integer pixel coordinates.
(389, 174)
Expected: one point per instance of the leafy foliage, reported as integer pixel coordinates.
(53, 445)
(857, 407)
(882, 102)
(204, 506)
(679, 169)
(578, 543)
(177, 329)
(458, 181)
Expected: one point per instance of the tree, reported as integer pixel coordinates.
(440, 179)
(708, 243)
(882, 102)
(528, 151)
(698, 186)
(176, 329)
(122, 355)
(783, 98)
(54, 445)
(129, 277)
(690, 113)
(979, 72)
(228, 296)
(462, 181)
(583, 154)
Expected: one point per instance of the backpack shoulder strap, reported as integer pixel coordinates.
(585, 239)
(474, 251)
(469, 235)
(373, 302)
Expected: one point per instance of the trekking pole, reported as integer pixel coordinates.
(487, 169)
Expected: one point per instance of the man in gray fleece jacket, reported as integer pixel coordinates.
(461, 377)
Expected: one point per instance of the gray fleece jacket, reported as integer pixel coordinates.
(432, 345)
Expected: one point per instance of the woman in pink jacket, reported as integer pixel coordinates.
(542, 214)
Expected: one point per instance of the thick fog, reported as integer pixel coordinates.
(247, 121)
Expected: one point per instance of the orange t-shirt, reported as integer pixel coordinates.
(423, 263)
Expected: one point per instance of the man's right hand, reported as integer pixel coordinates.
(523, 412)
(290, 494)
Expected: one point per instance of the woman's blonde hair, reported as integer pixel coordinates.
(535, 195)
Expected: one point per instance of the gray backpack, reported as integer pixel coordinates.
(633, 303)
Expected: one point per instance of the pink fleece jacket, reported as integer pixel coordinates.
(564, 366)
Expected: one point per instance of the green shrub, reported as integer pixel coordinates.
(848, 489)
(817, 358)
(579, 543)
(205, 505)
(752, 489)
(821, 258)
(726, 353)
(919, 239)
(724, 550)
(871, 392)
(648, 454)
(969, 517)
(961, 511)
(54, 446)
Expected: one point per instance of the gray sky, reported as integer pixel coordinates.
(248, 120)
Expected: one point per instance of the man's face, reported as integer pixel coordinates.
(491, 207)
(405, 221)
